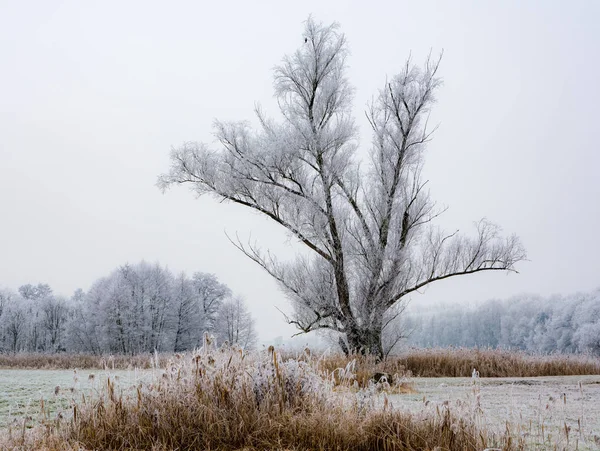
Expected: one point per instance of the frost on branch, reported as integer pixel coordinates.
(368, 223)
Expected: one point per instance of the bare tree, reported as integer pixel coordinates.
(369, 226)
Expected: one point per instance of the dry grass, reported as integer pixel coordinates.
(460, 362)
(365, 369)
(226, 400)
(79, 361)
(446, 362)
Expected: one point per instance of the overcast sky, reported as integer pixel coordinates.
(94, 94)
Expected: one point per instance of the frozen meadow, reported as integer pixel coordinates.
(536, 412)
(543, 411)
(24, 393)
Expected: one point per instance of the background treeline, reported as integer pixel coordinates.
(565, 324)
(136, 309)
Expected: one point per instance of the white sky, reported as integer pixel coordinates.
(94, 94)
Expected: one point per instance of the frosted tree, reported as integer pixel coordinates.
(159, 301)
(367, 224)
(5, 298)
(46, 316)
(35, 292)
(588, 337)
(10, 330)
(135, 303)
(234, 324)
(196, 302)
(209, 294)
(16, 327)
(188, 316)
(54, 316)
(84, 331)
(143, 308)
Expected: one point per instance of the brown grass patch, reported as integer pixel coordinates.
(226, 400)
(446, 362)
(460, 362)
(81, 361)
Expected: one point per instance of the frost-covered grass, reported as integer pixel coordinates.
(35, 395)
(225, 399)
(556, 412)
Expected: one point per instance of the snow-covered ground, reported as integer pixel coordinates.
(539, 409)
(23, 392)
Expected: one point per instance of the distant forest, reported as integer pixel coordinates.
(565, 324)
(137, 308)
(144, 307)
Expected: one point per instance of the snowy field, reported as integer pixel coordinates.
(23, 392)
(543, 410)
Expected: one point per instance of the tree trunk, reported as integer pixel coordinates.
(364, 341)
